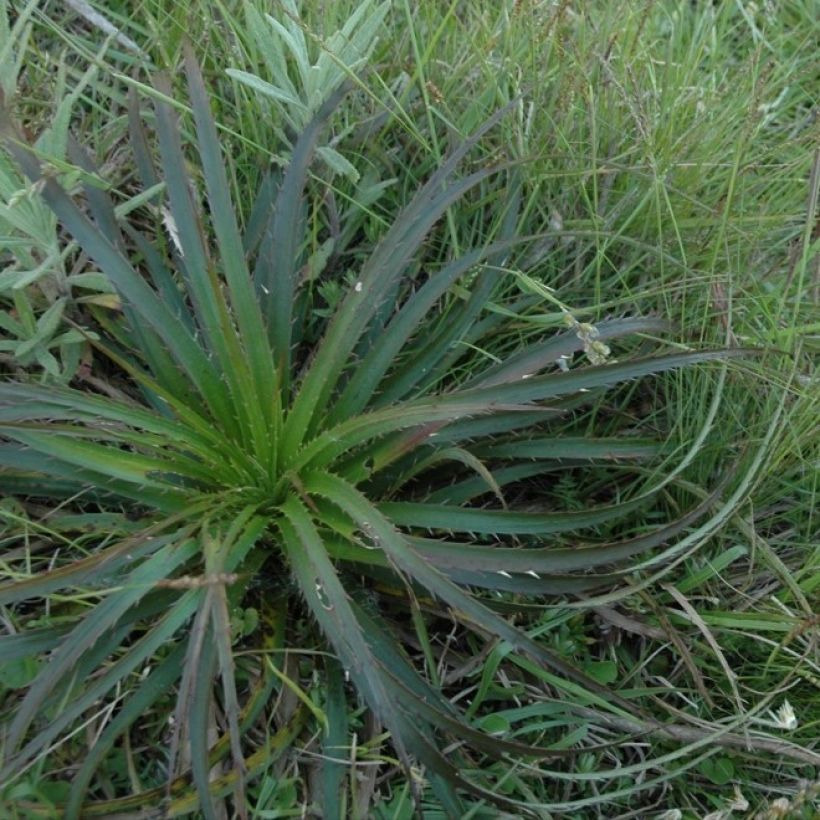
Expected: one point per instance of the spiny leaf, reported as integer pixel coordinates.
(566, 447)
(246, 310)
(328, 601)
(473, 612)
(540, 388)
(62, 663)
(100, 567)
(126, 280)
(500, 522)
(376, 279)
(278, 263)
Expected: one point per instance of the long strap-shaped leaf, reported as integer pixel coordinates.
(186, 801)
(473, 487)
(94, 569)
(372, 563)
(332, 609)
(278, 262)
(31, 643)
(535, 357)
(418, 694)
(436, 356)
(500, 522)
(108, 462)
(162, 277)
(473, 612)
(162, 677)
(492, 420)
(31, 402)
(501, 422)
(102, 210)
(264, 401)
(511, 396)
(25, 461)
(540, 388)
(328, 601)
(137, 584)
(336, 741)
(131, 286)
(382, 356)
(140, 651)
(536, 560)
(216, 563)
(242, 536)
(135, 446)
(573, 448)
(356, 310)
(199, 723)
(205, 289)
(380, 272)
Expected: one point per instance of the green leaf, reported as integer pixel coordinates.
(19, 672)
(264, 88)
(198, 720)
(602, 671)
(718, 770)
(510, 566)
(540, 388)
(278, 264)
(63, 660)
(498, 522)
(47, 325)
(125, 279)
(337, 163)
(377, 279)
(210, 306)
(381, 357)
(471, 611)
(22, 646)
(72, 650)
(572, 448)
(246, 309)
(335, 743)
(99, 568)
(325, 595)
(495, 725)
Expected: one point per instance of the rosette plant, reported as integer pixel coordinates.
(230, 459)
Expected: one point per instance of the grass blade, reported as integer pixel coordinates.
(163, 676)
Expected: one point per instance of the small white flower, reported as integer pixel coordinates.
(740, 803)
(779, 807)
(785, 717)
